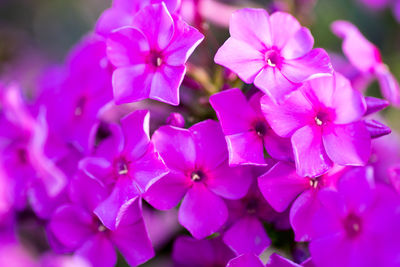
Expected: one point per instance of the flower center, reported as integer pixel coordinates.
(101, 228)
(352, 225)
(197, 176)
(252, 206)
(272, 58)
(260, 128)
(314, 182)
(156, 59)
(80, 105)
(321, 118)
(22, 155)
(122, 167)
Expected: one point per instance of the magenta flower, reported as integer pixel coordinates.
(74, 100)
(246, 130)
(275, 52)
(127, 164)
(366, 57)
(200, 174)
(323, 120)
(74, 227)
(357, 225)
(245, 232)
(122, 12)
(283, 187)
(150, 56)
(188, 251)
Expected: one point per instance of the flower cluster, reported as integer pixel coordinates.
(282, 145)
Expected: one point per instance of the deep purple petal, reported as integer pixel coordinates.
(247, 235)
(245, 260)
(374, 104)
(276, 260)
(202, 212)
(98, 251)
(71, 226)
(377, 129)
(348, 144)
(80, 195)
(133, 242)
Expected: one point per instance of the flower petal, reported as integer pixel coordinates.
(246, 64)
(156, 23)
(71, 225)
(176, 147)
(124, 194)
(281, 185)
(127, 46)
(247, 235)
(245, 148)
(98, 251)
(314, 64)
(272, 82)
(166, 82)
(285, 118)
(252, 26)
(185, 40)
(202, 212)
(348, 144)
(234, 112)
(298, 45)
(131, 84)
(309, 152)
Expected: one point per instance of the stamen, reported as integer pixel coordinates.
(318, 121)
(269, 62)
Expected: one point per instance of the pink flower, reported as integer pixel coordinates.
(150, 56)
(275, 52)
(366, 57)
(323, 120)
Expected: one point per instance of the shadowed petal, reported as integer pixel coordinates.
(98, 251)
(247, 235)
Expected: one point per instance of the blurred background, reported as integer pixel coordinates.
(35, 34)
